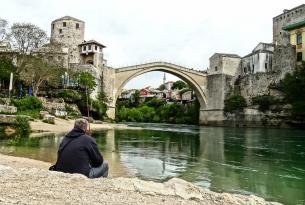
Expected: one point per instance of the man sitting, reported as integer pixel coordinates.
(78, 153)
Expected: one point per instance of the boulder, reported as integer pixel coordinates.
(8, 109)
(48, 119)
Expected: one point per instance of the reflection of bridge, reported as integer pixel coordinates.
(209, 89)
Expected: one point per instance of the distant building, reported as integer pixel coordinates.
(259, 60)
(288, 17)
(126, 94)
(224, 63)
(187, 96)
(168, 85)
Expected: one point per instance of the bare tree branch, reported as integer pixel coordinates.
(26, 37)
(3, 29)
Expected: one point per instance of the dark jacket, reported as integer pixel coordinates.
(79, 155)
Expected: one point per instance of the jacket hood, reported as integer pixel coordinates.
(75, 132)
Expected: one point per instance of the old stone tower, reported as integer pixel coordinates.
(69, 32)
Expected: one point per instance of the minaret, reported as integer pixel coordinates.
(164, 79)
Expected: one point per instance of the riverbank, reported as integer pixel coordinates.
(62, 125)
(45, 187)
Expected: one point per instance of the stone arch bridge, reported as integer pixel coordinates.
(209, 89)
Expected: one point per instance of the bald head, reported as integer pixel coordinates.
(81, 124)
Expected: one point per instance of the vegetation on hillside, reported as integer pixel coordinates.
(234, 103)
(158, 111)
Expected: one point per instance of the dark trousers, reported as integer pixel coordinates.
(101, 171)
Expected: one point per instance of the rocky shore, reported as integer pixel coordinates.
(21, 183)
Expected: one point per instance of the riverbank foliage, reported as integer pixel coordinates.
(293, 85)
(264, 102)
(22, 126)
(235, 103)
(158, 111)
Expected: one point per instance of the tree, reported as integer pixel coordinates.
(36, 71)
(162, 87)
(293, 85)
(6, 67)
(135, 98)
(3, 29)
(87, 81)
(26, 36)
(179, 84)
(235, 103)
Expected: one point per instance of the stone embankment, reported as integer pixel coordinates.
(39, 186)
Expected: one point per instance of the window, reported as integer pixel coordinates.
(216, 68)
(252, 68)
(60, 30)
(64, 24)
(53, 26)
(299, 38)
(77, 26)
(89, 47)
(266, 66)
(84, 48)
(245, 70)
(299, 56)
(96, 48)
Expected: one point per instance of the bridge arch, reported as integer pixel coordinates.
(197, 80)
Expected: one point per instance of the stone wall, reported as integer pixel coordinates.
(218, 86)
(284, 59)
(107, 86)
(281, 37)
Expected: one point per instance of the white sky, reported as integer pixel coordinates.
(178, 31)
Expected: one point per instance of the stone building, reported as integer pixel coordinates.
(297, 38)
(289, 16)
(74, 52)
(69, 32)
(259, 60)
(224, 63)
(91, 52)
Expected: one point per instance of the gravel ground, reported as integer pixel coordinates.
(30, 185)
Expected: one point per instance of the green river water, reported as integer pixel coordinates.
(269, 163)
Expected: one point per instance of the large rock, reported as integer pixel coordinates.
(48, 119)
(6, 109)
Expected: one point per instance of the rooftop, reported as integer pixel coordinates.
(289, 10)
(295, 25)
(92, 42)
(68, 18)
(227, 55)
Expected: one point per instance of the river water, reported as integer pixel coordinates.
(269, 163)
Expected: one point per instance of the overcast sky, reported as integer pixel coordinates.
(137, 31)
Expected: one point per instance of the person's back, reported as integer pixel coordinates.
(78, 153)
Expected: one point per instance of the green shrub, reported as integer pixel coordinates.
(293, 85)
(27, 103)
(264, 102)
(70, 96)
(235, 103)
(155, 103)
(22, 126)
(98, 109)
(31, 113)
(71, 111)
(134, 115)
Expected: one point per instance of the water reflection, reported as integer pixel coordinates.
(265, 162)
